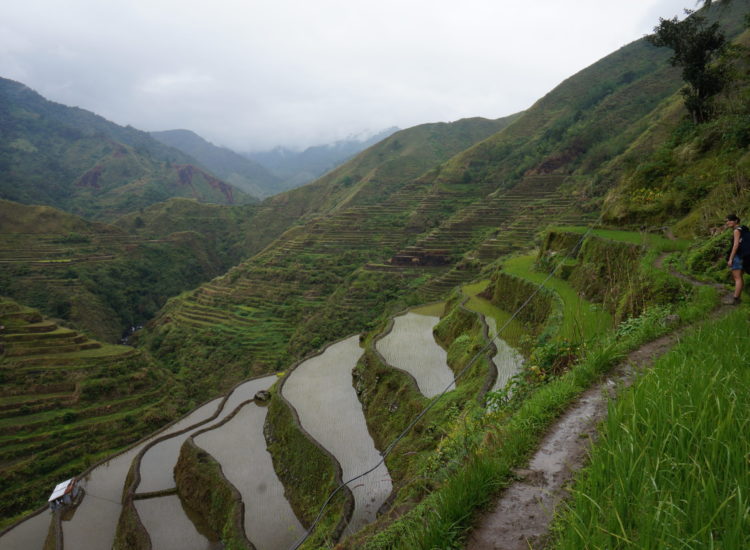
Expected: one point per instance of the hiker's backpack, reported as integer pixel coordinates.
(743, 251)
(744, 248)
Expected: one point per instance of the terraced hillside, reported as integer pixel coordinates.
(102, 281)
(106, 279)
(503, 222)
(66, 401)
(331, 276)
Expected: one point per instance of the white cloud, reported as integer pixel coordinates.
(255, 73)
(177, 83)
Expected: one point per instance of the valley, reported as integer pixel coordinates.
(369, 360)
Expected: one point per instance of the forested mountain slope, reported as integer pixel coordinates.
(79, 162)
(243, 173)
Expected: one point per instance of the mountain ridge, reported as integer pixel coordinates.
(234, 168)
(75, 160)
(296, 168)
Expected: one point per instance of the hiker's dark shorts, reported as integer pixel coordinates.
(737, 263)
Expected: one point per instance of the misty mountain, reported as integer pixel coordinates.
(297, 168)
(233, 168)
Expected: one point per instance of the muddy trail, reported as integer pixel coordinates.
(520, 518)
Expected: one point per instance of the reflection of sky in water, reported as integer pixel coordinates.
(94, 523)
(240, 447)
(507, 360)
(321, 391)
(169, 527)
(28, 535)
(158, 462)
(411, 346)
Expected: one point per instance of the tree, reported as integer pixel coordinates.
(696, 46)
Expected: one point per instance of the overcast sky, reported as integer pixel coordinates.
(252, 74)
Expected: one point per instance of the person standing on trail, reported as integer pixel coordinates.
(739, 247)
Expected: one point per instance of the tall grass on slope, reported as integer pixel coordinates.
(444, 517)
(671, 469)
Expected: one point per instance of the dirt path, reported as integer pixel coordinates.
(521, 516)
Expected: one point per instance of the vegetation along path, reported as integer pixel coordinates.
(521, 517)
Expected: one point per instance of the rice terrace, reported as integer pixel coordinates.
(509, 333)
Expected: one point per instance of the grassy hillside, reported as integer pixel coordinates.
(685, 175)
(702, 378)
(231, 167)
(79, 162)
(453, 476)
(588, 120)
(374, 174)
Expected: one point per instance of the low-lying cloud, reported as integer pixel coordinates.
(254, 74)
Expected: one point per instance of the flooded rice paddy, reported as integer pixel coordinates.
(158, 462)
(94, 523)
(410, 346)
(28, 535)
(169, 527)
(507, 360)
(320, 389)
(239, 446)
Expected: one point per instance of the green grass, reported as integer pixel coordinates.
(674, 443)
(582, 319)
(499, 441)
(514, 332)
(651, 240)
(12, 400)
(436, 309)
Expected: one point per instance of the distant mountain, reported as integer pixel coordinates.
(77, 161)
(297, 168)
(233, 168)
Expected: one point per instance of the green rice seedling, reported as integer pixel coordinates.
(673, 445)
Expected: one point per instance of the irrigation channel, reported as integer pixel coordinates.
(321, 392)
